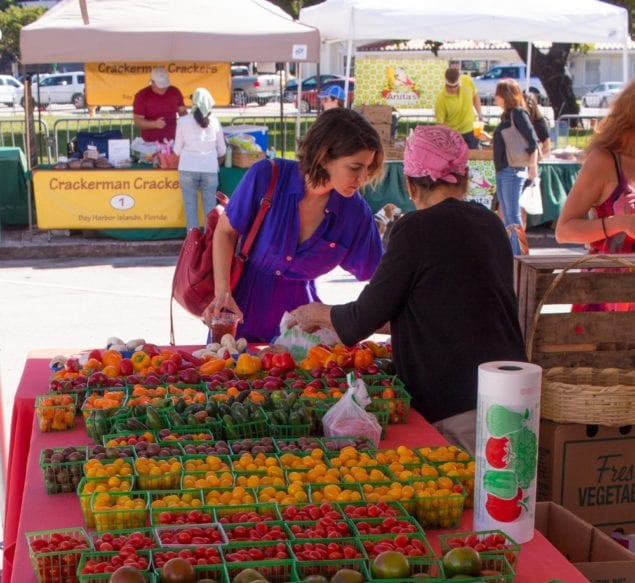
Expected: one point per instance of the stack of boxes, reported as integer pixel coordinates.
(380, 117)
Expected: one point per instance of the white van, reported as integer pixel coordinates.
(59, 88)
(10, 90)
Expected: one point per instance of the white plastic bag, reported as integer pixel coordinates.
(349, 417)
(531, 198)
(299, 342)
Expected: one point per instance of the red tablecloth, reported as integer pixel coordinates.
(29, 508)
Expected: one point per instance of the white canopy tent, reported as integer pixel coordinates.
(362, 21)
(167, 30)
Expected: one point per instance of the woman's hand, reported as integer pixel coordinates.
(223, 301)
(310, 317)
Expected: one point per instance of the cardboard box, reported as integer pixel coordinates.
(590, 470)
(259, 133)
(385, 132)
(376, 114)
(246, 159)
(593, 553)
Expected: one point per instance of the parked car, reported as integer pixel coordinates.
(291, 87)
(601, 95)
(10, 90)
(58, 88)
(247, 88)
(486, 83)
(310, 101)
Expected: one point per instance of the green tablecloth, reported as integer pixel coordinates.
(556, 180)
(228, 181)
(14, 208)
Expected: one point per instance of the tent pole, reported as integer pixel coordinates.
(349, 53)
(298, 100)
(625, 60)
(528, 71)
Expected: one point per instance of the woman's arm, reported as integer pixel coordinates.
(179, 141)
(594, 184)
(223, 246)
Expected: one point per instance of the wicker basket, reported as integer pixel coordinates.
(586, 395)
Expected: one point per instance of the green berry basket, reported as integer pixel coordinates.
(229, 496)
(91, 560)
(236, 532)
(283, 495)
(496, 542)
(55, 417)
(403, 523)
(258, 427)
(166, 533)
(121, 437)
(124, 536)
(427, 568)
(185, 436)
(380, 509)
(167, 499)
(169, 480)
(246, 513)
(338, 442)
(62, 476)
(349, 492)
(289, 513)
(417, 539)
(283, 430)
(328, 568)
(208, 480)
(296, 445)
(298, 534)
(439, 511)
(158, 515)
(215, 571)
(100, 452)
(264, 560)
(56, 566)
(502, 572)
(443, 453)
(121, 510)
(219, 463)
(86, 489)
(398, 406)
(463, 472)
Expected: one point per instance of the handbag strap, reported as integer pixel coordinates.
(265, 204)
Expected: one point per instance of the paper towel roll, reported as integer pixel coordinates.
(507, 422)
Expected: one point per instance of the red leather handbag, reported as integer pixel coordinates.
(193, 281)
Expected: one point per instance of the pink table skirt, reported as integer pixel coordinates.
(29, 508)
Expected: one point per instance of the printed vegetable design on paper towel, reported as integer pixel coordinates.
(511, 450)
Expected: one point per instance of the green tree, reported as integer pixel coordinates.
(12, 19)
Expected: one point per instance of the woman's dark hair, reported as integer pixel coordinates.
(202, 120)
(338, 133)
(532, 106)
(427, 184)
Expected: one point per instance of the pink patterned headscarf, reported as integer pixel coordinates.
(437, 152)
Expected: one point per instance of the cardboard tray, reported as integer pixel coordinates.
(593, 553)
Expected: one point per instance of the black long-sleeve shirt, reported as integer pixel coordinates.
(445, 284)
(523, 125)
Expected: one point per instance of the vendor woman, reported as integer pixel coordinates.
(156, 106)
(445, 285)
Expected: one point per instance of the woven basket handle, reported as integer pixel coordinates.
(554, 284)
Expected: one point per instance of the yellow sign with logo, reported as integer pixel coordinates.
(108, 199)
(117, 83)
(402, 83)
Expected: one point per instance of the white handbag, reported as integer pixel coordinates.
(516, 146)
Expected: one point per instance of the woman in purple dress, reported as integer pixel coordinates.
(317, 221)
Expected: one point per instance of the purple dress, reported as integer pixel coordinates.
(280, 273)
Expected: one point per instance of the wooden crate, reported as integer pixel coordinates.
(596, 339)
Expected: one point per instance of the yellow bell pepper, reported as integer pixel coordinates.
(212, 365)
(247, 365)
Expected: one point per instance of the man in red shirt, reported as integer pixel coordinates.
(155, 107)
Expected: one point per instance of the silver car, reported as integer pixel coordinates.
(10, 90)
(601, 95)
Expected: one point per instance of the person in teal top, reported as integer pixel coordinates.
(457, 106)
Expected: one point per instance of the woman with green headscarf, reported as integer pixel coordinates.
(200, 144)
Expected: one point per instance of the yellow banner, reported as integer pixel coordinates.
(117, 83)
(402, 83)
(108, 199)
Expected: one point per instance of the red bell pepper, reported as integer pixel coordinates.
(267, 360)
(284, 360)
(187, 357)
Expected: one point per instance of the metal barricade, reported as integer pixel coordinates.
(12, 135)
(65, 129)
(574, 130)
